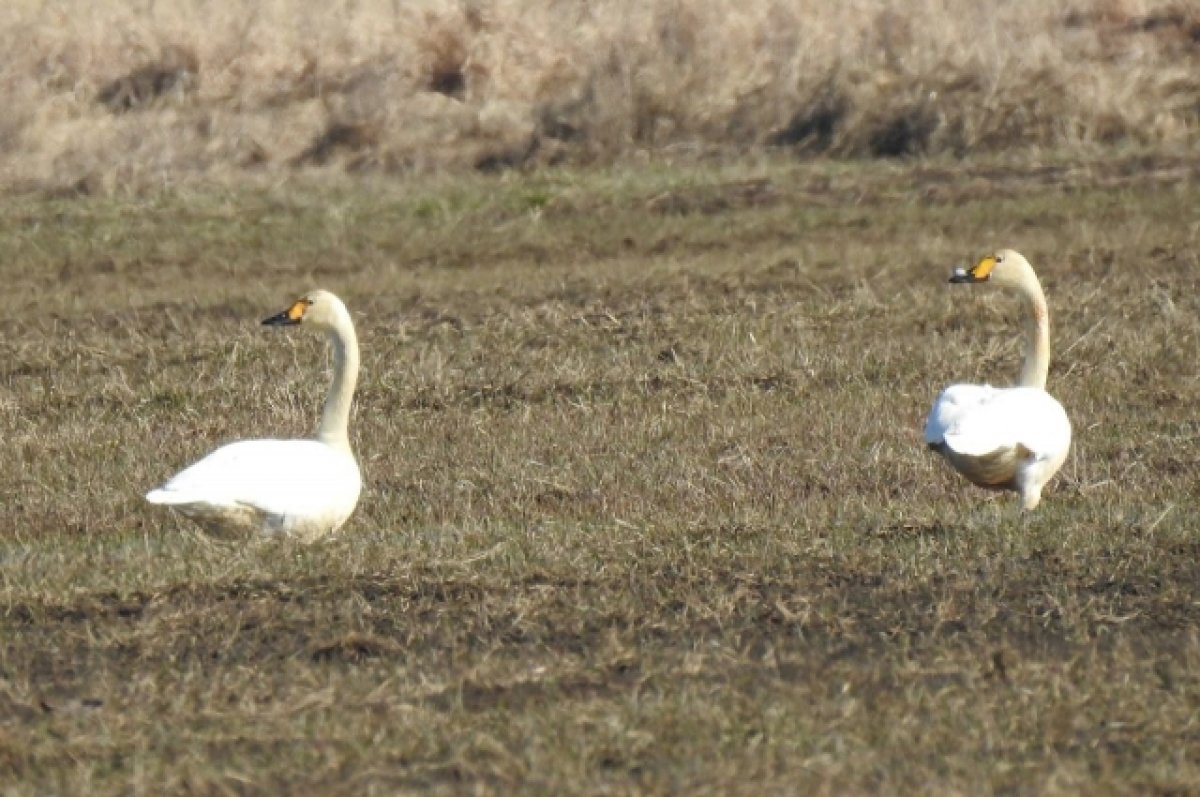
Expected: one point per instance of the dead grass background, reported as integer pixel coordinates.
(108, 96)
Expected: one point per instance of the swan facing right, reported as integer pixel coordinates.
(1012, 438)
(296, 488)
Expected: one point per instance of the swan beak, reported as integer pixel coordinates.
(978, 273)
(289, 317)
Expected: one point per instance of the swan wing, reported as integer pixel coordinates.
(954, 403)
(1021, 417)
(279, 478)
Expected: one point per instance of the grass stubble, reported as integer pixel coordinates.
(647, 507)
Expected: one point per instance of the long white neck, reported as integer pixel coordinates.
(1037, 333)
(335, 418)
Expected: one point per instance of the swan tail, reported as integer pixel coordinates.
(178, 498)
(160, 496)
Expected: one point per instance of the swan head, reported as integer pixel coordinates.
(317, 308)
(1005, 268)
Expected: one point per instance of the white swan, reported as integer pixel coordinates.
(1006, 438)
(299, 488)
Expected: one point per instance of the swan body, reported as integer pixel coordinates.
(296, 488)
(1012, 438)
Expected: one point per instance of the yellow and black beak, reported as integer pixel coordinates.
(289, 317)
(979, 273)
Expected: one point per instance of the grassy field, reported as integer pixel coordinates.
(647, 506)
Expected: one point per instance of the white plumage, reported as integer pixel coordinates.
(300, 488)
(1005, 438)
(297, 488)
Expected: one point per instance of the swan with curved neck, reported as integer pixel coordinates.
(1006, 438)
(297, 488)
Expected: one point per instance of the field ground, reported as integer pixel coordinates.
(647, 506)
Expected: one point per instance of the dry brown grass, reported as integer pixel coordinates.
(103, 97)
(647, 508)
